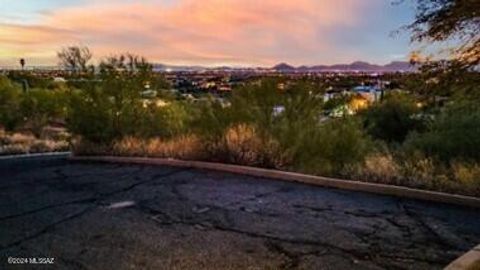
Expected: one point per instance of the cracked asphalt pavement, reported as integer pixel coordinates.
(118, 216)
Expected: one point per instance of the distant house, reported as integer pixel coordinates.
(371, 93)
(355, 103)
(278, 110)
(149, 93)
(328, 95)
(358, 102)
(59, 79)
(224, 88)
(341, 111)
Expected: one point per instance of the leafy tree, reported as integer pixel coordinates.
(123, 79)
(270, 103)
(442, 20)
(444, 79)
(113, 107)
(75, 58)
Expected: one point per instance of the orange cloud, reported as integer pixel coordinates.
(190, 31)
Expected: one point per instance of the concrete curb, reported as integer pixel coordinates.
(46, 154)
(383, 189)
(468, 261)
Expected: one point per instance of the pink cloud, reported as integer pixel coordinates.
(191, 31)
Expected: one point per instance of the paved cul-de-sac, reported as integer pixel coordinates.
(119, 216)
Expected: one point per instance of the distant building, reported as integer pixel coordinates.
(278, 110)
(371, 93)
(59, 79)
(357, 103)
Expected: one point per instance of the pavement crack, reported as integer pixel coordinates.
(163, 218)
(313, 208)
(405, 229)
(254, 197)
(362, 214)
(134, 185)
(434, 236)
(48, 207)
(95, 199)
(46, 229)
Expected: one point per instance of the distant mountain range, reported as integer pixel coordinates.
(395, 66)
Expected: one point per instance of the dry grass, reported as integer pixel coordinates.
(242, 144)
(17, 138)
(40, 146)
(467, 177)
(379, 167)
(128, 146)
(418, 171)
(19, 143)
(184, 147)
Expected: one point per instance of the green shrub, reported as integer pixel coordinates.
(272, 126)
(254, 103)
(10, 96)
(212, 119)
(91, 117)
(39, 106)
(278, 110)
(332, 147)
(454, 134)
(166, 121)
(392, 119)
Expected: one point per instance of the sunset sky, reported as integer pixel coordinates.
(207, 32)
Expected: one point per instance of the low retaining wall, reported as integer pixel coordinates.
(383, 189)
(32, 155)
(469, 261)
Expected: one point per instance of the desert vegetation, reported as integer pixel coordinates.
(31, 121)
(407, 138)
(273, 124)
(422, 133)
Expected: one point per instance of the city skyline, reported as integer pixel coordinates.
(210, 32)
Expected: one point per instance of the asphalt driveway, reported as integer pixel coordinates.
(117, 216)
